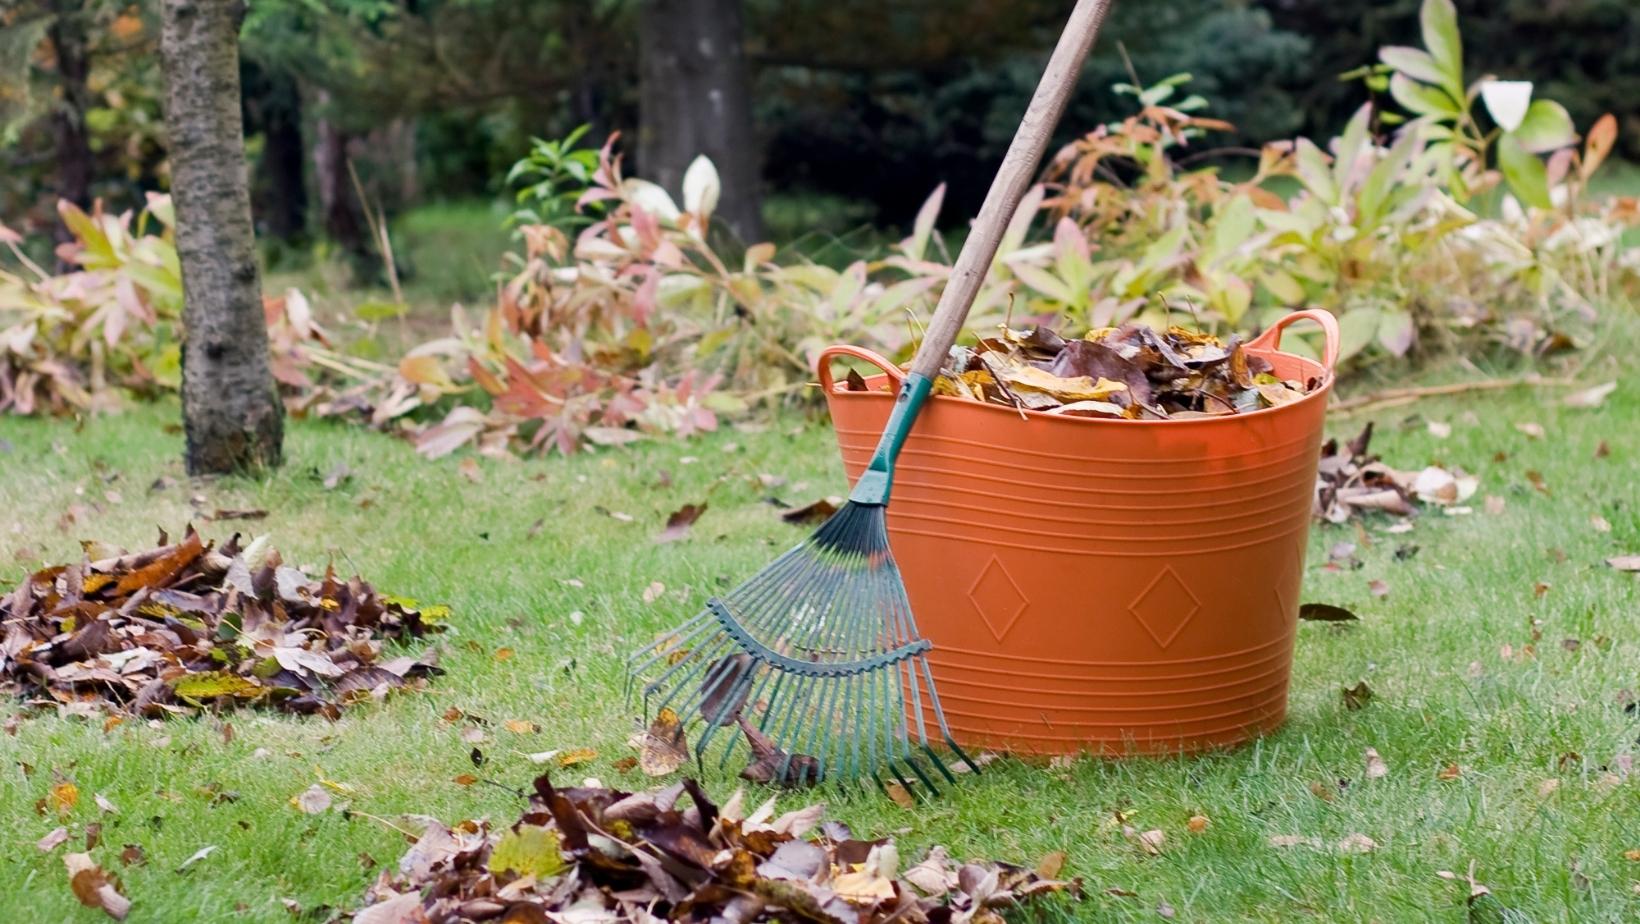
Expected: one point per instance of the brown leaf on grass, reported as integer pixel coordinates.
(132, 855)
(470, 470)
(1602, 450)
(312, 800)
(521, 726)
(1378, 588)
(899, 795)
(1532, 429)
(679, 521)
(54, 839)
(772, 765)
(188, 625)
(653, 592)
(1325, 612)
(1051, 863)
(725, 688)
(1624, 562)
(663, 748)
(1358, 696)
(1495, 505)
(221, 515)
(94, 887)
(1599, 523)
(1536, 478)
(1449, 772)
(64, 796)
(812, 514)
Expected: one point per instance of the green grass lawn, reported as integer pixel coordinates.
(1532, 810)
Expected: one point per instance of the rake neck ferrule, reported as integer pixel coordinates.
(878, 479)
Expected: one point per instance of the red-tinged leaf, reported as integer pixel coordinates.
(94, 887)
(679, 521)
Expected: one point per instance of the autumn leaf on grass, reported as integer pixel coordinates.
(311, 801)
(1325, 612)
(1625, 562)
(814, 513)
(576, 756)
(1376, 767)
(679, 521)
(1357, 696)
(663, 748)
(1590, 397)
(94, 887)
(770, 764)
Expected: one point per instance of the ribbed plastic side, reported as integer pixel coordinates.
(1113, 586)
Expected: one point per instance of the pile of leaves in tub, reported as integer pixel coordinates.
(1131, 372)
(591, 854)
(189, 625)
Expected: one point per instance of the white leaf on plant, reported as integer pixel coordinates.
(652, 199)
(1507, 101)
(701, 188)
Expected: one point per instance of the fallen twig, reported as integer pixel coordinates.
(1391, 397)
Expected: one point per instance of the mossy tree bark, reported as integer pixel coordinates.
(231, 412)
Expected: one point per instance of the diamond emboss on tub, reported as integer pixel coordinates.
(1164, 606)
(997, 598)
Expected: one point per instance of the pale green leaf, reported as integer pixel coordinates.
(1421, 98)
(1313, 171)
(1356, 329)
(1439, 22)
(1413, 62)
(1528, 179)
(1546, 127)
(1232, 225)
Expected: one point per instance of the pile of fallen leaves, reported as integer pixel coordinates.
(586, 854)
(1130, 372)
(187, 625)
(1350, 480)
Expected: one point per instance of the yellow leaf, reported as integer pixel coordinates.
(521, 727)
(64, 796)
(577, 756)
(1078, 388)
(663, 748)
(528, 850)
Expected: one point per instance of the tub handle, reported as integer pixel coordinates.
(822, 365)
(1271, 339)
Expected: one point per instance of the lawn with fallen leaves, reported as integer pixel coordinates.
(1477, 717)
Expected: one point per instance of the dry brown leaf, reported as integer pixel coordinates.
(1449, 772)
(663, 748)
(1495, 504)
(1357, 843)
(1532, 429)
(1051, 863)
(679, 521)
(54, 839)
(94, 888)
(521, 726)
(1197, 824)
(1599, 523)
(1624, 562)
(470, 470)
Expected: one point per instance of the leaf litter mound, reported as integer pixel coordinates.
(186, 625)
(1131, 372)
(591, 854)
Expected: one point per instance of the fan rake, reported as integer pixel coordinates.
(817, 659)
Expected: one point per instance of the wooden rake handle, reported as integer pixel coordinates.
(1013, 178)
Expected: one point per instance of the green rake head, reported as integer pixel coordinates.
(817, 661)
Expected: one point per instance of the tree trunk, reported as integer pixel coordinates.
(694, 97)
(338, 200)
(68, 42)
(230, 410)
(274, 107)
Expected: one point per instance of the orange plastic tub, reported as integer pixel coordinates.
(1113, 586)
